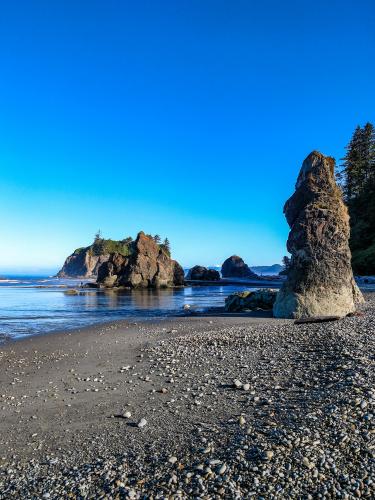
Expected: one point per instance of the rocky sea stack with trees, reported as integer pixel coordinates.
(148, 264)
(84, 262)
(141, 263)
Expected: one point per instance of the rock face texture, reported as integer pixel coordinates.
(148, 266)
(82, 264)
(235, 267)
(263, 298)
(202, 273)
(320, 279)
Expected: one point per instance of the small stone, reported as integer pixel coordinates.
(268, 455)
(142, 423)
(222, 469)
(172, 460)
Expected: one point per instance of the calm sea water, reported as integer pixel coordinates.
(33, 305)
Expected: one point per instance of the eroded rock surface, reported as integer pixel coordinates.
(82, 263)
(320, 279)
(149, 265)
(263, 298)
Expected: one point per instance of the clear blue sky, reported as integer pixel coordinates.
(185, 118)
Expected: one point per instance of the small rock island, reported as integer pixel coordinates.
(235, 267)
(203, 274)
(141, 263)
(148, 265)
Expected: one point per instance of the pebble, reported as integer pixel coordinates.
(142, 423)
(311, 401)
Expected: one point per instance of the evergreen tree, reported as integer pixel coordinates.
(157, 239)
(166, 246)
(286, 262)
(357, 179)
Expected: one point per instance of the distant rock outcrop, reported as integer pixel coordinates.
(82, 264)
(235, 267)
(203, 273)
(148, 266)
(320, 279)
(274, 269)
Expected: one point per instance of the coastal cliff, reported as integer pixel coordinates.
(85, 261)
(149, 265)
(82, 264)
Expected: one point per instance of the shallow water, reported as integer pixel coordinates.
(33, 305)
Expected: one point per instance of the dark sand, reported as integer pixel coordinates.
(300, 424)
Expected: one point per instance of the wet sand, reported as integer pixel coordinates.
(231, 406)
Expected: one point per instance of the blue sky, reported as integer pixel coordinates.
(189, 119)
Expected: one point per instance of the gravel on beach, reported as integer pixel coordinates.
(203, 408)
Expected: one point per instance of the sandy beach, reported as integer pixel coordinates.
(202, 406)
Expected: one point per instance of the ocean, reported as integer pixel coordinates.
(31, 305)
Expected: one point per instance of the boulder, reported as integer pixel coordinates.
(320, 280)
(235, 267)
(148, 266)
(203, 273)
(263, 298)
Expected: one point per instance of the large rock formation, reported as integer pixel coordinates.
(148, 265)
(85, 262)
(82, 264)
(320, 279)
(263, 298)
(203, 273)
(235, 267)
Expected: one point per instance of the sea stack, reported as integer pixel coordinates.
(235, 267)
(148, 265)
(201, 273)
(320, 279)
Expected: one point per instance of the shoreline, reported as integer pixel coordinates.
(234, 405)
(152, 322)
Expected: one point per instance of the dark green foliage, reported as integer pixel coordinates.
(102, 246)
(166, 247)
(286, 264)
(125, 247)
(357, 179)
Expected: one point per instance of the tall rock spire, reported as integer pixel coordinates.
(320, 279)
